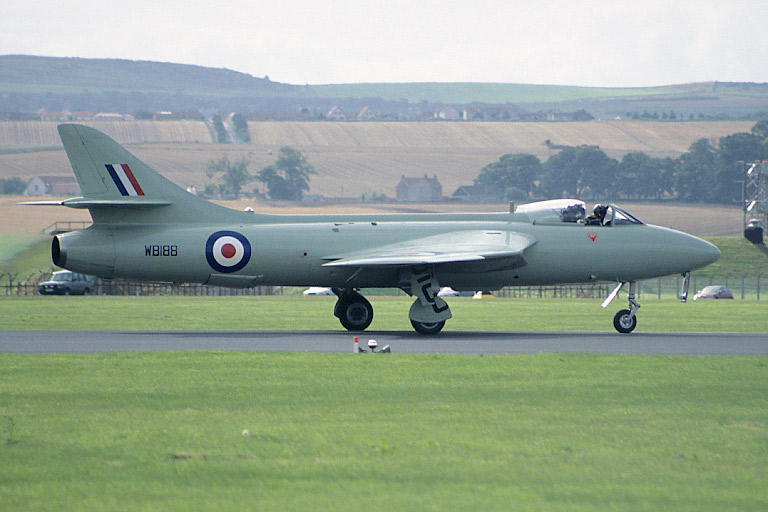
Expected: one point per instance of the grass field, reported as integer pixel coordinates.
(231, 431)
(483, 92)
(390, 314)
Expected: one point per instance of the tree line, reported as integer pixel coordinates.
(286, 179)
(706, 173)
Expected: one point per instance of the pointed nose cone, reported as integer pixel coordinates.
(703, 253)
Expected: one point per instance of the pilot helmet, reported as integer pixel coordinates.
(600, 210)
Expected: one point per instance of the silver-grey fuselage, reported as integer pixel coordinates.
(292, 250)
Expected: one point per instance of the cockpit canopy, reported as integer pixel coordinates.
(573, 211)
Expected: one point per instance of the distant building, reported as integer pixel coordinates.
(419, 190)
(82, 116)
(336, 114)
(111, 116)
(52, 185)
(48, 115)
(447, 114)
(476, 194)
(366, 114)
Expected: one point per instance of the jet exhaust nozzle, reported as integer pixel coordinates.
(58, 253)
(90, 252)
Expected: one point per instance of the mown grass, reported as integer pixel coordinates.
(738, 257)
(232, 431)
(390, 314)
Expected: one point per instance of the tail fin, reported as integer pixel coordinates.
(118, 188)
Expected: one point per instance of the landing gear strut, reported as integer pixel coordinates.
(625, 320)
(429, 312)
(353, 310)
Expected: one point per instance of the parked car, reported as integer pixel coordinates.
(713, 292)
(67, 283)
(317, 290)
(447, 291)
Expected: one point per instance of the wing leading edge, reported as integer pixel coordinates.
(505, 248)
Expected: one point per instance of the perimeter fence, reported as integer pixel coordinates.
(152, 289)
(742, 287)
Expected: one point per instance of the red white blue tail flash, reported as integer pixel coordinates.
(227, 251)
(124, 179)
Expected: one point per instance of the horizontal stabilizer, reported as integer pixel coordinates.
(82, 202)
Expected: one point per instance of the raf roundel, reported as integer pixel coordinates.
(227, 251)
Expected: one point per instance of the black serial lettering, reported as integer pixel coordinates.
(161, 250)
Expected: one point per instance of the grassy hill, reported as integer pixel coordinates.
(30, 82)
(25, 73)
(707, 99)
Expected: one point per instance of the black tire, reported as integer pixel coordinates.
(428, 328)
(355, 312)
(623, 323)
(67, 291)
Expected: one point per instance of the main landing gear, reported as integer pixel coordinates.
(353, 310)
(428, 313)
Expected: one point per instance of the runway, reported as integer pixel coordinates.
(467, 343)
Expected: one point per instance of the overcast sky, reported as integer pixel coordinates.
(571, 42)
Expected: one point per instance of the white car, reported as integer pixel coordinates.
(317, 290)
(447, 291)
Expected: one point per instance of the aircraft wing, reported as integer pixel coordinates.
(503, 248)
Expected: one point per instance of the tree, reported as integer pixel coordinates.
(241, 127)
(221, 132)
(288, 177)
(761, 130)
(744, 147)
(12, 186)
(234, 175)
(561, 176)
(582, 115)
(511, 174)
(576, 170)
(695, 172)
(643, 177)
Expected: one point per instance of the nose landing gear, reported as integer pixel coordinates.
(625, 320)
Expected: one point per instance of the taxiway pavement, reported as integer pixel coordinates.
(447, 342)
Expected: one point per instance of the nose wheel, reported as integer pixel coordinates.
(625, 320)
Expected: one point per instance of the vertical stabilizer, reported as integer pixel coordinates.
(118, 188)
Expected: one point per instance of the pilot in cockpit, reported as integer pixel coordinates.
(598, 215)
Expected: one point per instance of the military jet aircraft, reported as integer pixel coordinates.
(147, 228)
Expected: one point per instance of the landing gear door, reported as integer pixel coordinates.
(683, 296)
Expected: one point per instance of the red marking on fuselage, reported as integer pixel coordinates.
(592, 236)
